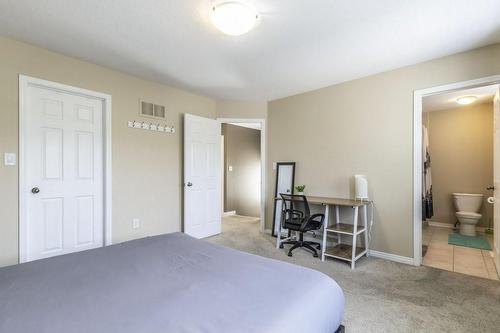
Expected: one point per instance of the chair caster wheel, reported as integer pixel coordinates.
(281, 246)
(289, 254)
(315, 255)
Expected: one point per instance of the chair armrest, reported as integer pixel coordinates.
(321, 216)
(314, 218)
(297, 213)
(294, 212)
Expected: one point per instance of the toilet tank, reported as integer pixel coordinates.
(467, 202)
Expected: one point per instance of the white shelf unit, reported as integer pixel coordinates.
(346, 252)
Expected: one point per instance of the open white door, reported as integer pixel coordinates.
(202, 181)
(496, 176)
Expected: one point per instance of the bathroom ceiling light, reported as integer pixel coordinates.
(464, 100)
(233, 18)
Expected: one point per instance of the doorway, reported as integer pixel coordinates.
(65, 169)
(243, 171)
(455, 177)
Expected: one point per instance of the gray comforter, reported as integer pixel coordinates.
(169, 283)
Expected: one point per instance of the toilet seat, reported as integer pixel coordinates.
(468, 215)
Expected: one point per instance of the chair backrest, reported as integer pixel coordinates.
(294, 203)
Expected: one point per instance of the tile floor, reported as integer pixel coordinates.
(454, 258)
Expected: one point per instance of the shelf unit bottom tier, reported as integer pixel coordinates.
(344, 252)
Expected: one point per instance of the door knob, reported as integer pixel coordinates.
(490, 188)
(35, 190)
(189, 184)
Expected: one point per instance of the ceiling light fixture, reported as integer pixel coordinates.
(464, 100)
(233, 18)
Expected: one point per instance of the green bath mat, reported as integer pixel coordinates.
(477, 242)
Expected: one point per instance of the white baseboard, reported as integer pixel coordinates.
(450, 226)
(441, 224)
(391, 257)
(232, 212)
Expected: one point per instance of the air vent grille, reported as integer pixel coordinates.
(152, 110)
(159, 111)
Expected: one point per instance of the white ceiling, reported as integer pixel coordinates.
(449, 100)
(298, 45)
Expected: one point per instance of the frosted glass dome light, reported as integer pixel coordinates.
(466, 100)
(233, 18)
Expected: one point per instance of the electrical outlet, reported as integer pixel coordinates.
(136, 223)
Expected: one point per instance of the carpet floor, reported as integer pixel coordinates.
(384, 296)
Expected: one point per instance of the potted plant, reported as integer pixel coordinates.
(300, 189)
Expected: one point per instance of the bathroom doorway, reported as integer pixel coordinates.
(457, 180)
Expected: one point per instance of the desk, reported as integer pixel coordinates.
(346, 252)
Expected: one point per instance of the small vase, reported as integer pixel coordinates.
(300, 193)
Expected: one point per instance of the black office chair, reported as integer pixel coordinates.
(296, 216)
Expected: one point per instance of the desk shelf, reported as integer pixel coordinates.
(345, 228)
(341, 230)
(358, 228)
(344, 252)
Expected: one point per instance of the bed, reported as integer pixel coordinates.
(168, 283)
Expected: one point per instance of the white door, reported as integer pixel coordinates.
(496, 176)
(63, 172)
(202, 179)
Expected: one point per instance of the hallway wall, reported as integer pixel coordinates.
(242, 184)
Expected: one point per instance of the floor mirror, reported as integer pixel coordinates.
(285, 177)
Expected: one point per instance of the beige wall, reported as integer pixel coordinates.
(147, 167)
(361, 126)
(241, 109)
(242, 184)
(365, 126)
(461, 146)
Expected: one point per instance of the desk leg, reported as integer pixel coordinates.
(354, 236)
(365, 218)
(325, 226)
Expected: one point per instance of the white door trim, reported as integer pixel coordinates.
(24, 83)
(418, 95)
(263, 173)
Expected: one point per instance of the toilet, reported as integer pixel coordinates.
(467, 207)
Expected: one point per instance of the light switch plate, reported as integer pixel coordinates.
(136, 223)
(9, 159)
